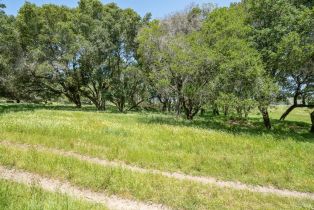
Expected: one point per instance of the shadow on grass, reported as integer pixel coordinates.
(281, 130)
(298, 131)
(7, 108)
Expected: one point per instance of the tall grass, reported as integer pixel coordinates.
(283, 159)
(21, 197)
(143, 187)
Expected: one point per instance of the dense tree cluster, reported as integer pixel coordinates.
(229, 60)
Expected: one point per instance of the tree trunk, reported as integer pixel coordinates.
(179, 104)
(78, 103)
(202, 112)
(312, 119)
(164, 105)
(121, 107)
(287, 112)
(215, 110)
(190, 109)
(246, 115)
(291, 108)
(169, 106)
(226, 110)
(295, 104)
(121, 103)
(75, 98)
(99, 104)
(239, 111)
(190, 114)
(265, 115)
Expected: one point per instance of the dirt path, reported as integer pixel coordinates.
(112, 202)
(179, 176)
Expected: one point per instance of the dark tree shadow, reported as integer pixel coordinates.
(298, 131)
(281, 130)
(7, 108)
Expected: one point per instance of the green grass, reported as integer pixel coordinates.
(224, 148)
(21, 197)
(143, 187)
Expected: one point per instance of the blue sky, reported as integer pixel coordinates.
(158, 8)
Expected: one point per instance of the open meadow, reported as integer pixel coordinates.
(157, 105)
(134, 156)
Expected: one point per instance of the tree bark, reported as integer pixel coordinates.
(164, 105)
(101, 106)
(121, 105)
(226, 110)
(287, 112)
(295, 103)
(169, 106)
(216, 110)
(266, 118)
(99, 103)
(179, 105)
(291, 108)
(190, 114)
(74, 98)
(190, 109)
(312, 119)
(202, 112)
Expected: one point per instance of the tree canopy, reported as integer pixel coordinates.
(231, 60)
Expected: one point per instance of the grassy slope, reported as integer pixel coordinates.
(19, 197)
(146, 187)
(282, 158)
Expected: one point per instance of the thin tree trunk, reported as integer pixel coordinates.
(78, 103)
(312, 119)
(295, 104)
(287, 112)
(169, 106)
(202, 112)
(164, 105)
(226, 110)
(190, 114)
(291, 108)
(121, 104)
(179, 104)
(266, 118)
(216, 111)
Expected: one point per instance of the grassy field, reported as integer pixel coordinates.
(142, 187)
(20, 197)
(225, 148)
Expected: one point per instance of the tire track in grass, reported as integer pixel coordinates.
(52, 185)
(174, 175)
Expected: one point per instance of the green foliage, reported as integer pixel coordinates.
(282, 32)
(11, 75)
(241, 70)
(108, 53)
(177, 62)
(191, 60)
